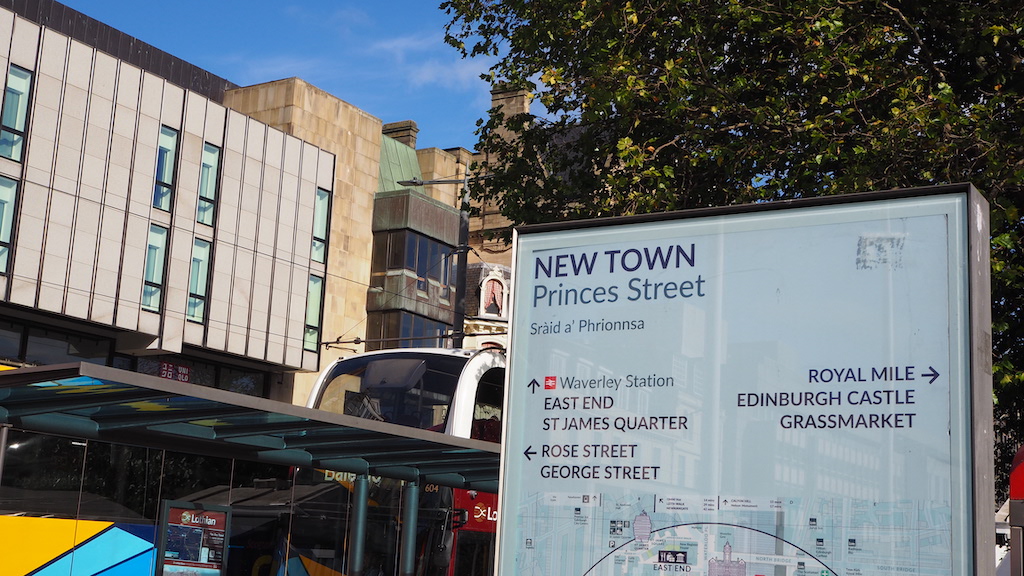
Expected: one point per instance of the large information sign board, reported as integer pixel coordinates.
(765, 391)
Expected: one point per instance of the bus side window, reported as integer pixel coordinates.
(487, 409)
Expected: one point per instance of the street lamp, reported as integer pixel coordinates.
(461, 251)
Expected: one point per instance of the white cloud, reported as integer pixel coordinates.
(247, 70)
(454, 74)
(347, 20)
(402, 49)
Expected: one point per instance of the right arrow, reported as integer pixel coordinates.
(528, 452)
(934, 374)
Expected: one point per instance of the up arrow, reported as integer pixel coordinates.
(533, 386)
(529, 451)
(933, 375)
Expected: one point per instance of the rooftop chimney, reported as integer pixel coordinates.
(404, 131)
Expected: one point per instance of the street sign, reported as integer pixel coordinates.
(768, 390)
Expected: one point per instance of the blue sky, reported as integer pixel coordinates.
(387, 57)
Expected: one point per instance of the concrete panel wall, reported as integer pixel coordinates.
(85, 206)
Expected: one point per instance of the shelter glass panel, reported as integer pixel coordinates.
(121, 483)
(42, 475)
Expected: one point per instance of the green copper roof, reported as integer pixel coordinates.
(397, 162)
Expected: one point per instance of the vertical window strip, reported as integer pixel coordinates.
(14, 117)
(314, 303)
(321, 216)
(447, 263)
(166, 158)
(209, 183)
(422, 263)
(198, 281)
(8, 195)
(153, 280)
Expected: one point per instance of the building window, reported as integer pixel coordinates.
(447, 268)
(10, 342)
(399, 329)
(156, 254)
(166, 156)
(321, 215)
(8, 193)
(193, 371)
(431, 261)
(46, 346)
(34, 345)
(209, 178)
(314, 301)
(198, 281)
(492, 298)
(15, 113)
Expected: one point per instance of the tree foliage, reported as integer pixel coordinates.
(664, 105)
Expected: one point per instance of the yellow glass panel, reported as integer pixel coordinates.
(26, 543)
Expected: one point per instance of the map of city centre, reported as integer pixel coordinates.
(775, 537)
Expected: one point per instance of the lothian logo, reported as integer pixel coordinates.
(549, 382)
(191, 518)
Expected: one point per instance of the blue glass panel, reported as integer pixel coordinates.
(143, 564)
(106, 550)
(296, 568)
(59, 567)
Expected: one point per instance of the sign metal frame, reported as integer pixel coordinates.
(565, 274)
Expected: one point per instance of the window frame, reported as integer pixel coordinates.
(209, 185)
(314, 313)
(152, 275)
(7, 223)
(198, 290)
(321, 225)
(17, 126)
(166, 166)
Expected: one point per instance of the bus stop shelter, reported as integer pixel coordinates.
(100, 403)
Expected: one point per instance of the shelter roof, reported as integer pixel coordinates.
(107, 404)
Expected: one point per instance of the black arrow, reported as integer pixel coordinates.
(934, 374)
(528, 452)
(533, 386)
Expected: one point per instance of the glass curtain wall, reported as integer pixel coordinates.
(70, 506)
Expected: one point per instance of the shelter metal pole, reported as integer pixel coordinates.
(357, 545)
(461, 262)
(410, 517)
(3, 448)
(1016, 569)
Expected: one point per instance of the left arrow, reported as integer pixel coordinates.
(528, 452)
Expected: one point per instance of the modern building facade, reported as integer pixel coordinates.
(148, 226)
